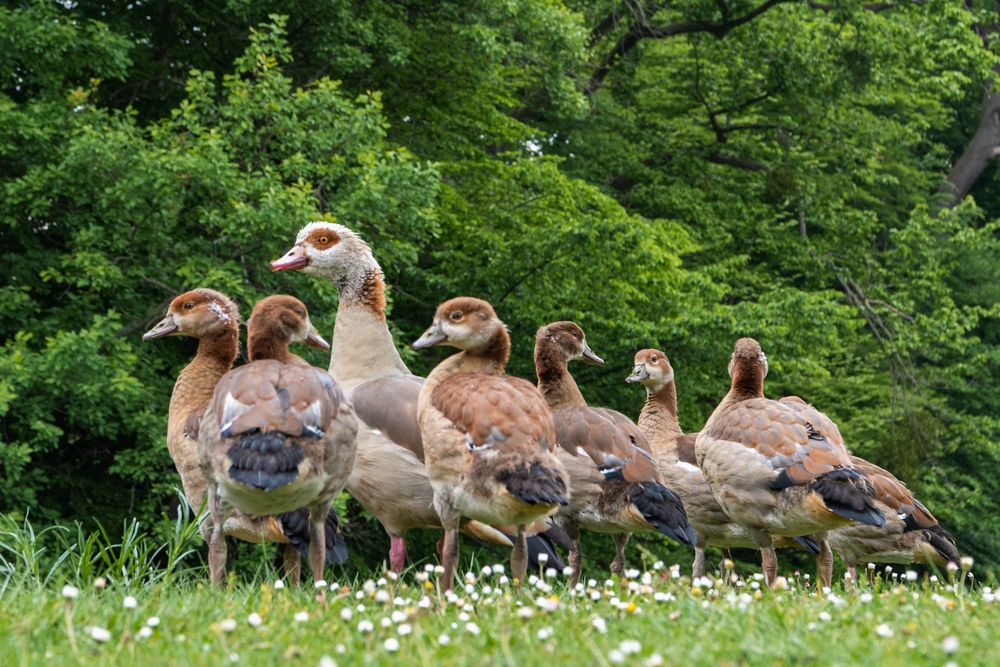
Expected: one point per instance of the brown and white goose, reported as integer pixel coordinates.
(214, 320)
(389, 477)
(675, 457)
(488, 437)
(911, 534)
(610, 462)
(278, 434)
(777, 468)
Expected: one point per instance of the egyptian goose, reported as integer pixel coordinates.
(214, 320)
(278, 434)
(389, 477)
(488, 437)
(777, 468)
(911, 534)
(674, 454)
(610, 462)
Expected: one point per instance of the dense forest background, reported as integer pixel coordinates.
(818, 175)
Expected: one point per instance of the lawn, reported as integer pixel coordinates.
(649, 617)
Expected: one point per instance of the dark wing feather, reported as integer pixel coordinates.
(894, 494)
(389, 404)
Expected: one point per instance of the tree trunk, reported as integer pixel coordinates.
(981, 149)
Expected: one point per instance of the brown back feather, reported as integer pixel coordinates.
(486, 406)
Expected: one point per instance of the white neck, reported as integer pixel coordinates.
(362, 344)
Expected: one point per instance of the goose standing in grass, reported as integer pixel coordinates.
(488, 437)
(278, 434)
(614, 481)
(214, 320)
(389, 478)
(674, 452)
(777, 468)
(911, 534)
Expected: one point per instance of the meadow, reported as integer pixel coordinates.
(126, 600)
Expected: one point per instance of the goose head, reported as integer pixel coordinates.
(748, 367)
(464, 322)
(652, 369)
(564, 341)
(284, 319)
(328, 250)
(197, 313)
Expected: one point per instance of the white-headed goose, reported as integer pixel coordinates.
(389, 477)
(607, 451)
(911, 534)
(488, 437)
(776, 468)
(278, 434)
(675, 457)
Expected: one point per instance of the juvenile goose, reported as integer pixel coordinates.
(911, 534)
(488, 437)
(278, 434)
(776, 468)
(389, 477)
(214, 320)
(675, 457)
(615, 485)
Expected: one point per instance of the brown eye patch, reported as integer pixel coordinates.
(321, 239)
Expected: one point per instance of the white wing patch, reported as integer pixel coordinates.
(232, 408)
(684, 465)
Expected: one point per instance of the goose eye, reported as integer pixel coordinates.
(455, 316)
(324, 240)
(189, 305)
(300, 312)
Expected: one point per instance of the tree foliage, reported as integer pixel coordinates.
(667, 174)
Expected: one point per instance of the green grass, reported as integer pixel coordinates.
(632, 621)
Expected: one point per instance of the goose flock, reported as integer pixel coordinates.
(267, 446)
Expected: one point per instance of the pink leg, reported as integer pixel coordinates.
(397, 553)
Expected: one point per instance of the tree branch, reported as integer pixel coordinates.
(641, 29)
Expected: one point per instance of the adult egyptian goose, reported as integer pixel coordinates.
(607, 450)
(214, 320)
(776, 468)
(389, 477)
(488, 437)
(278, 434)
(911, 534)
(675, 457)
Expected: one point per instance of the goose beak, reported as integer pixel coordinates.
(313, 339)
(165, 327)
(639, 373)
(433, 336)
(293, 260)
(590, 357)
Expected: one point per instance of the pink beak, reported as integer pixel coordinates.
(293, 260)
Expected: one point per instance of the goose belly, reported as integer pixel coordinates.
(299, 493)
(497, 508)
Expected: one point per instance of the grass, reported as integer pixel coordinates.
(161, 611)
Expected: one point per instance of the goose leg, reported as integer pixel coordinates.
(824, 563)
(698, 569)
(519, 557)
(293, 565)
(575, 554)
(618, 564)
(449, 556)
(317, 545)
(852, 570)
(768, 559)
(217, 550)
(397, 554)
